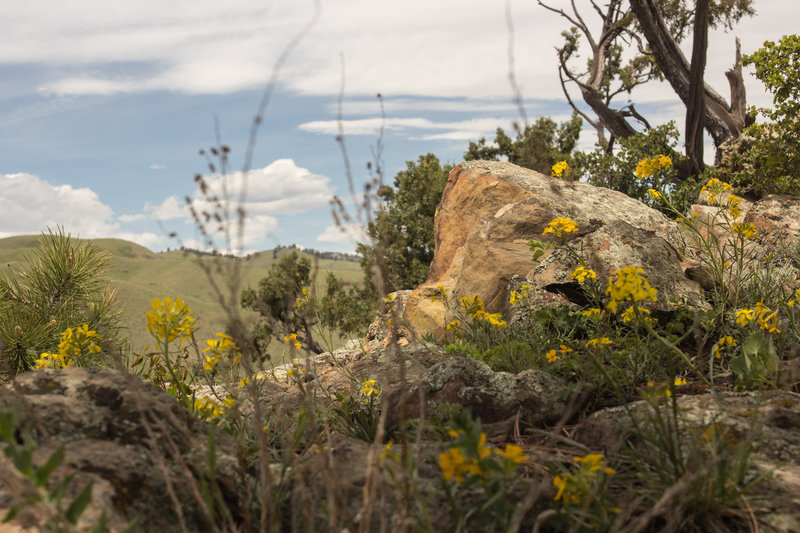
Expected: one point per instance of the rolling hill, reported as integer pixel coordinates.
(140, 275)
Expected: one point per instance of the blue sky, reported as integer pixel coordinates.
(105, 104)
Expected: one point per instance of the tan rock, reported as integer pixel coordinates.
(490, 211)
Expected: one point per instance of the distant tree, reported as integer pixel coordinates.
(403, 230)
(348, 308)
(283, 306)
(539, 146)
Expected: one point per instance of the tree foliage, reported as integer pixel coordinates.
(60, 285)
(617, 170)
(767, 158)
(348, 309)
(403, 230)
(282, 303)
(539, 146)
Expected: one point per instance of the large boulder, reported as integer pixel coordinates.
(144, 455)
(489, 212)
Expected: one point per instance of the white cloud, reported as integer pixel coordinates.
(156, 166)
(171, 208)
(281, 188)
(29, 204)
(344, 234)
(412, 127)
(133, 218)
(409, 48)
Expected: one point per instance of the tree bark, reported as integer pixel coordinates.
(721, 120)
(695, 107)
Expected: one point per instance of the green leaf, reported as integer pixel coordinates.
(58, 489)
(44, 472)
(79, 504)
(754, 344)
(101, 525)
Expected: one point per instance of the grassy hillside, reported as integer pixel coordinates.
(140, 275)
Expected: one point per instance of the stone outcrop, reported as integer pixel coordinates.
(490, 211)
(135, 443)
(771, 419)
(496, 398)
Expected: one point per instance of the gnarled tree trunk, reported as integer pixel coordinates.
(721, 120)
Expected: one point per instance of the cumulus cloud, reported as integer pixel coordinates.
(29, 204)
(352, 234)
(281, 188)
(171, 208)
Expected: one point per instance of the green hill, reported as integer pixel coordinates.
(139, 275)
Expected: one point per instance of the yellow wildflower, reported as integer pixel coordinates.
(560, 226)
(747, 230)
(292, 341)
(654, 194)
(744, 317)
(627, 284)
(648, 167)
(600, 341)
(560, 169)
(368, 388)
(794, 300)
(170, 320)
(513, 453)
(551, 356)
(581, 273)
(594, 462)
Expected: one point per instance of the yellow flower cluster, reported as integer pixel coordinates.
(628, 284)
(594, 313)
(599, 341)
(655, 391)
(560, 226)
(716, 190)
(209, 409)
(516, 296)
(170, 320)
(648, 167)
(368, 388)
(575, 486)
(217, 348)
(560, 169)
(725, 342)
(73, 343)
(456, 465)
(439, 293)
(291, 340)
(302, 300)
(473, 306)
(747, 230)
(552, 355)
(794, 300)
(762, 315)
(581, 273)
(654, 194)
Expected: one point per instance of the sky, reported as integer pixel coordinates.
(105, 106)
